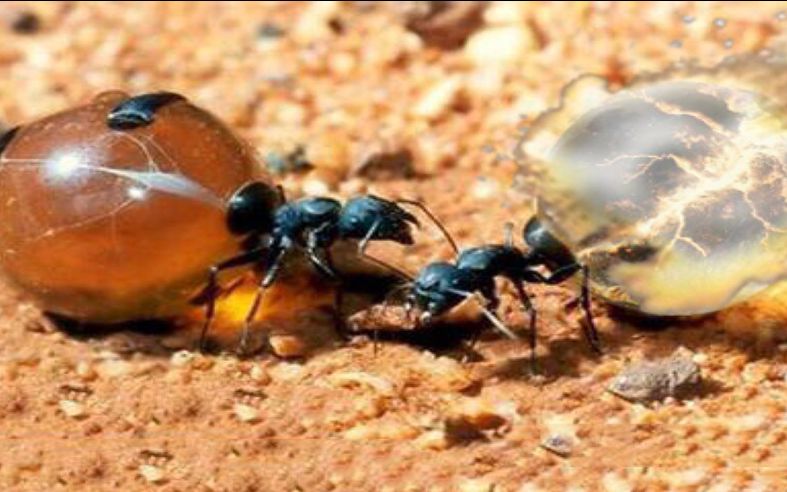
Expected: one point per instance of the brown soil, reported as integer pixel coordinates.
(130, 409)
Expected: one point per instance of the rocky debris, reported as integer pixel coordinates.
(471, 418)
(246, 413)
(438, 99)
(288, 345)
(152, 474)
(559, 444)
(72, 409)
(502, 46)
(677, 376)
(383, 160)
(382, 317)
(443, 24)
(294, 161)
(380, 385)
(23, 21)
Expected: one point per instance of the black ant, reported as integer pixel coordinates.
(441, 286)
(314, 224)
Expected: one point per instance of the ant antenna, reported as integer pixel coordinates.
(434, 220)
(396, 270)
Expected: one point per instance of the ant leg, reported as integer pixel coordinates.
(492, 303)
(324, 264)
(434, 220)
(528, 304)
(496, 322)
(589, 327)
(211, 289)
(139, 110)
(270, 277)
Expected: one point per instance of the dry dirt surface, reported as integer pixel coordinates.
(401, 100)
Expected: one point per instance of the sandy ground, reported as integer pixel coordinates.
(352, 86)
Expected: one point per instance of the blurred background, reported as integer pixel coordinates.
(353, 89)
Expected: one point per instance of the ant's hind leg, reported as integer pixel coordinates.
(209, 293)
(528, 305)
(324, 264)
(589, 327)
(270, 276)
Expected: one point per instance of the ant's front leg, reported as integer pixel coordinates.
(561, 274)
(208, 295)
(272, 268)
(320, 257)
(528, 305)
(492, 304)
(589, 328)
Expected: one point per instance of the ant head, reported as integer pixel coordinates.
(433, 289)
(251, 208)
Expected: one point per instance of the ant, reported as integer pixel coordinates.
(314, 224)
(271, 226)
(441, 286)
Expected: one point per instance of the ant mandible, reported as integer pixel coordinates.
(441, 286)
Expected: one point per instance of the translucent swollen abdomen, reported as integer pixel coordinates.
(109, 225)
(673, 191)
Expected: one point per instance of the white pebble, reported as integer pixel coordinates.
(152, 474)
(504, 45)
(246, 413)
(72, 409)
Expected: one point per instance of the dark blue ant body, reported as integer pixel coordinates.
(441, 286)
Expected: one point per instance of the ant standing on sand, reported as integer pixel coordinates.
(274, 226)
(441, 286)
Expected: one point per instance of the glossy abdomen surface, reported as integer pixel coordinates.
(109, 225)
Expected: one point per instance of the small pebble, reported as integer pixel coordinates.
(436, 440)
(260, 375)
(246, 413)
(151, 473)
(113, 368)
(288, 345)
(476, 485)
(438, 99)
(182, 358)
(85, 371)
(558, 444)
(502, 46)
(72, 409)
(380, 161)
(472, 416)
(647, 381)
(25, 22)
(445, 25)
